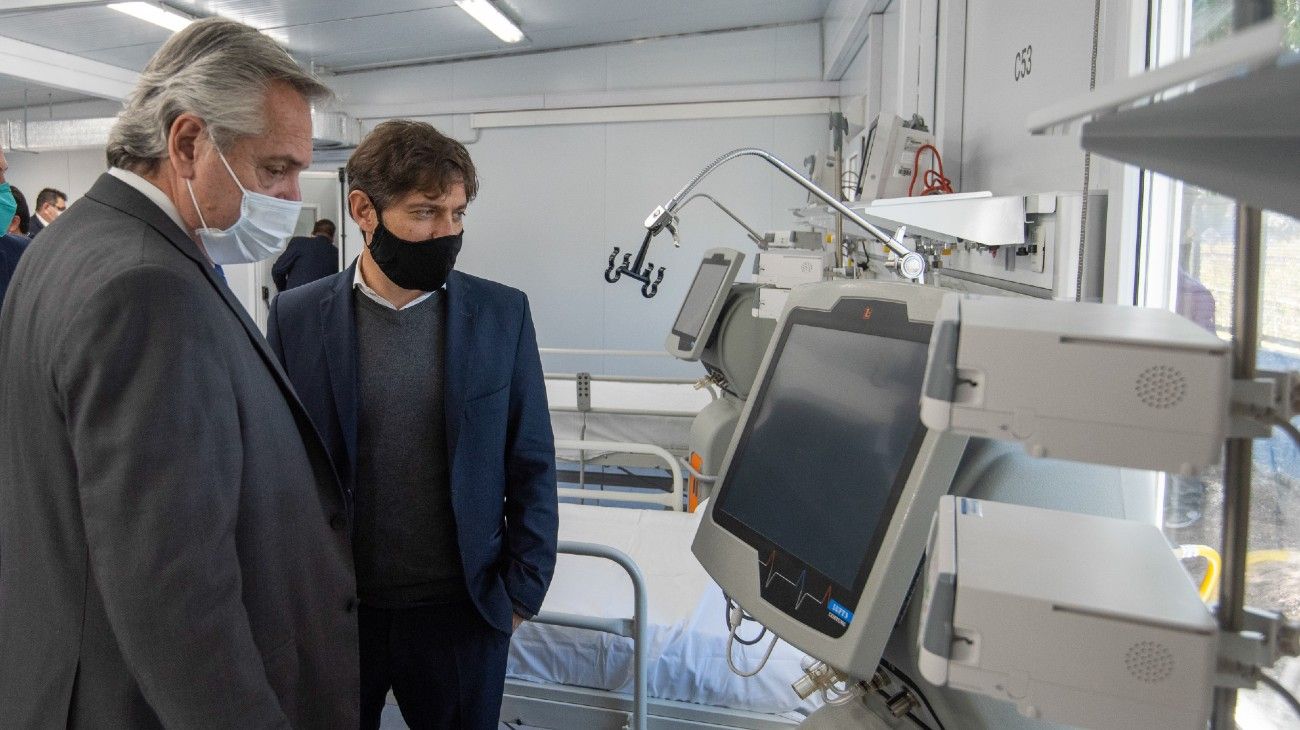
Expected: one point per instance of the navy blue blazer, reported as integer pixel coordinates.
(499, 436)
(305, 259)
(12, 246)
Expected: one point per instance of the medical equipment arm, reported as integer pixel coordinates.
(911, 264)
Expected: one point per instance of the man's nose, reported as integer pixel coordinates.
(447, 225)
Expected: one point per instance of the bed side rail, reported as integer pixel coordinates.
(585, 352)
(673, 499)
(633, 628)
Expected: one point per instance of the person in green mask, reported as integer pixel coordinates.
(12, 245)
(8, 204)
(20, 223)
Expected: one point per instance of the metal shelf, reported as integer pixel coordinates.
(1236, 137)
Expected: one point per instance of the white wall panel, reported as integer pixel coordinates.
(561, 72)
(998, 153)
(889, 82)
(394, 86)
(537, 225)
(768, 54)
(71, 172)
(555, 200)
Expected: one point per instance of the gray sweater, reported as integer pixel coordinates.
(405, 543)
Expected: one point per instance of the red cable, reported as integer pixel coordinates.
(934, 182)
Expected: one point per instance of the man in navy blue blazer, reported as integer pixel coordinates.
(307, 258)
(426, 385)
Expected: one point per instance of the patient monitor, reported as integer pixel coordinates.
(826, 495)
(703, 303)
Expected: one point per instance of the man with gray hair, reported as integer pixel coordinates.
(174, 546)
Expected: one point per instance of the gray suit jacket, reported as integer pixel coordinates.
(174, 543)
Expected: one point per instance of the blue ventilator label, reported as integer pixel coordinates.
(840, 612)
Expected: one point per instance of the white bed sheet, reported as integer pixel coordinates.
(687, 634)
(667, 427)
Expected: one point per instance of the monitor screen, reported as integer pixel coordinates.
(695, 309)
(829, 443)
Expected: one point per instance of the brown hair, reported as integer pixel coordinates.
(401, 155)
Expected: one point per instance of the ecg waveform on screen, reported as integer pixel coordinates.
(772, 572)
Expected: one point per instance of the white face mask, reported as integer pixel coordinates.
(264, 226)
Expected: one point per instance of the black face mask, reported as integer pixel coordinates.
(420, 265)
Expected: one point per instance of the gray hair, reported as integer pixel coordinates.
(215, 69)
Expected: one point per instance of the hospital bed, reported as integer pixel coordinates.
(563, 676)
(627, 443)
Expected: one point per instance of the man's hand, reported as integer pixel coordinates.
(515, 620)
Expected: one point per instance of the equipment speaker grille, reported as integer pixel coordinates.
(1149, 661)
(1161, 386)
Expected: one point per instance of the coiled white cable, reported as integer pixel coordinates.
(731, 640)
(735, 617)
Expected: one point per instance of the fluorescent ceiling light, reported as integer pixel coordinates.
(153, 13)
(494, 20)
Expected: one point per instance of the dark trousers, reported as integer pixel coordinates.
(445, 665)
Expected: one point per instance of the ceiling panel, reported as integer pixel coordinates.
(343, 34)
(684, 15)
(283, 13)
(548, 24)
(605, 30)
(131, 57)
(11, 95)
(82, 29)
(442, 32)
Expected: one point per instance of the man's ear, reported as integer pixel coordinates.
(183, 140)
(363, 211)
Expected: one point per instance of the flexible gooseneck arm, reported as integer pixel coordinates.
(911, 264)
(663, 215)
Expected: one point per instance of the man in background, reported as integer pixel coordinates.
(307, 258)
(174, 544)
(50, 204)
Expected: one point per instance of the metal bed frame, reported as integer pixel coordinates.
(655, 456)
(564, 706)
(673, 499)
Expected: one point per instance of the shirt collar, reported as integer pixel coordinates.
(359, 283)
(41, 219)
(152, 192)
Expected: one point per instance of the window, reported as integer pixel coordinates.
(1188, 266)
